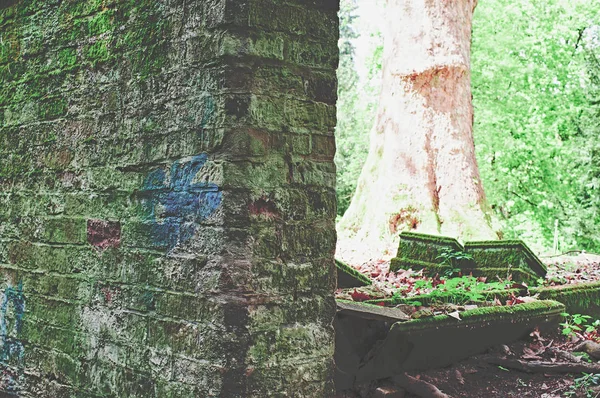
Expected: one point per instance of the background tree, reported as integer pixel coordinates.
(421, 173)
(531, 101)
(535, 88)
(357, 93)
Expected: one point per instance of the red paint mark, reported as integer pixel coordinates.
(103, 234)
(264, 207)
(107, 294)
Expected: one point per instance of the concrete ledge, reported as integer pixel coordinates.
(349, 277)
(583, 298)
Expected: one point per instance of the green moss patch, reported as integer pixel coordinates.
(439, 254)
(487, 315)
(425, 248)
(499, 254)
(398, 263)
(582, 298)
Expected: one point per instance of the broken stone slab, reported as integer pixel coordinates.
(422, 250)
(349, 277)
(369, 349)
(440, 254)
(442, 340)
(358, 328)
(581, 298)
(508, 256)
(370, 311)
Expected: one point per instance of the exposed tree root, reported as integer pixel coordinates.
(591, 348)
(418, 387)
(544, 367)
(564, 355)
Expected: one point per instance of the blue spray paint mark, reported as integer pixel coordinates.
(12, 308)
(175, 203)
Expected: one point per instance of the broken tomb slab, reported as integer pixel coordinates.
(370, 349)
(506, 255)
(439, 254)
(580, 298)
(424, 248)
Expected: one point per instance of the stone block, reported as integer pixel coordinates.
(440, 254)
(581, 298)
(418, 251)
(505, 257)
(367, 348)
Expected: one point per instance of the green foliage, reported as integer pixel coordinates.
(584, 384)
(453, 258)
(578, 323)
(460, 290)
(469, 287)
(536, 94)
(530, 98)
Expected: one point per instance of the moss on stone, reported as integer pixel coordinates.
(582, 298)
(435, 239)
(350, 277)
(444, 297)
(425, 247)
(498, 254)
(483, 315)
(489, 258)
(398, 263)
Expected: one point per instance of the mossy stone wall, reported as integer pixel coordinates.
(167, 197)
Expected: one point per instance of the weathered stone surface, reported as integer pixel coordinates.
(509, 255)
(581, 298)
(370, 349)
(439, 254)
(167, 198)
(349, 277)
(370, 311)
(418, 251)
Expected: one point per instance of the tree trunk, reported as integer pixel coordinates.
(421, 173)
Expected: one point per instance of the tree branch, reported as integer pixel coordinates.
(418, 387)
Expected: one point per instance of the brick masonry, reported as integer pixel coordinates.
(167, 197)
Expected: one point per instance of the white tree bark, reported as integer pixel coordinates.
(421, 173)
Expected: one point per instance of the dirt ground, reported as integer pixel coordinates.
(476, 377)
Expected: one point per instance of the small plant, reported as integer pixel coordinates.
(466, 289)
(459, 290)
(578, 324)
(453, 258)
(584, 384)
(423, 284)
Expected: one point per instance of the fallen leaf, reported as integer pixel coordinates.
(526, 299)
(455, 315)
(359, 296)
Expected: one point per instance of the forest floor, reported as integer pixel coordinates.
(538, 366)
